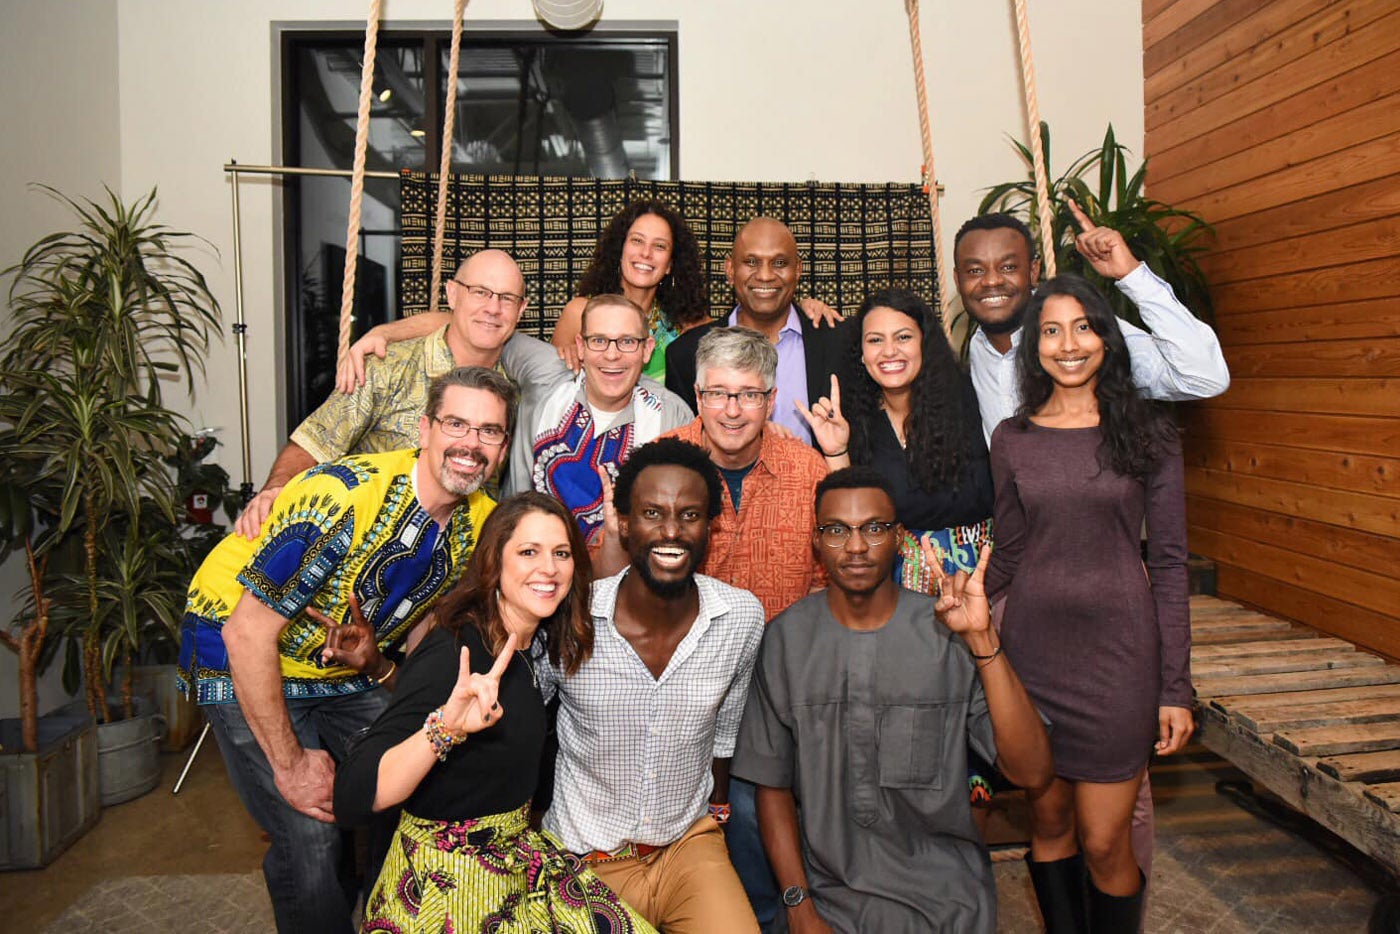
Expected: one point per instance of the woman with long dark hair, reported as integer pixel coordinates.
(460, 744)
(1101, 638)
(647, 253)
(904, 406)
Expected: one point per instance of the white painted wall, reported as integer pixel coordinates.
(781, 90)
(58, 107)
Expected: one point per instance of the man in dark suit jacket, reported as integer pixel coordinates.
(763, 268)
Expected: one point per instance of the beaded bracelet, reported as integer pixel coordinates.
(720, 813)
(442, 741)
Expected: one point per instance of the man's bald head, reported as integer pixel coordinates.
(486, 296)
(764, 268)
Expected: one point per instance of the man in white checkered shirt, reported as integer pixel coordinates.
(647, 726)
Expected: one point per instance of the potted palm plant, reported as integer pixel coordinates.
(103, 316)
(1166, 238)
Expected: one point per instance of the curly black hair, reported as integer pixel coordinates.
(852, 478)
(667, 452)
(683, 294)
(995, 221)
(937, 432)
(1136, 432)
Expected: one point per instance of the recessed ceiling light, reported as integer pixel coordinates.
(385, 94)
(418, 133)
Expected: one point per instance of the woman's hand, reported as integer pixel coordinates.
(353, 644)
(472, 705)
(819, 312)
(962, 600)
(1174, 727)
(829, 427)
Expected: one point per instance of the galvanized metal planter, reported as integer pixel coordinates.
(128, 753)
(49, 798)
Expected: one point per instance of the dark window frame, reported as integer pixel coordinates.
(434, 42)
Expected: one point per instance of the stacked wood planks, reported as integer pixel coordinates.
(1311, 718)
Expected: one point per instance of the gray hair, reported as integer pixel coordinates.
(473, 377)
(737, 348)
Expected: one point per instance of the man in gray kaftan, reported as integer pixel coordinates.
(860, 713)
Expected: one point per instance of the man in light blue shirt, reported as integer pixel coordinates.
(996, 272)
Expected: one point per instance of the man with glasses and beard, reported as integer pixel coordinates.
(377, 536)
(647, 725)
(861, 709)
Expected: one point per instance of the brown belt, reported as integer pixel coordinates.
(626, 851)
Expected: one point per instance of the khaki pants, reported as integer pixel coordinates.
(688, 887)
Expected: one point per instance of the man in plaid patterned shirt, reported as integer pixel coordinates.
(647, 726)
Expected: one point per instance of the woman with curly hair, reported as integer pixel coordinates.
(461, 741)
(903, 406)
(1102, 639)
(647, 253)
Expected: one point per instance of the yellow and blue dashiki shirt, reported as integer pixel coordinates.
(350, 527)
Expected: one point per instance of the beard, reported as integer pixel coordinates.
(1004, 326)
(669, 589)
(455, 481)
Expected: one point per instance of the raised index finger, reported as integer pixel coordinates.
(503, 659)
(835, 396)
(1080, 217)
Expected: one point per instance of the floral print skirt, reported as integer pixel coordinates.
(490, 874)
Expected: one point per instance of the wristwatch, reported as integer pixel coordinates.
(794, 895)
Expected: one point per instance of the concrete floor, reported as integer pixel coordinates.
(191, 863)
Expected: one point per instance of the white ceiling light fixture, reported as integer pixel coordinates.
(568, 14)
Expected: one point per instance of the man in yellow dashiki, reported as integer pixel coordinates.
(392, 531)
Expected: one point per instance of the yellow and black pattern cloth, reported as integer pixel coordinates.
(851, 238)
(352, 527)
(490, 874)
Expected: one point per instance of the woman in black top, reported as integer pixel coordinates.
(903, 406)
(460, 744)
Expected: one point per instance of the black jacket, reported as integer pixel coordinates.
(822, 346)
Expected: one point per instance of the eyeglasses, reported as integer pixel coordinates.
(599, 344)
(509, 300)
(493, 436)
(719, 398)
(835, 534)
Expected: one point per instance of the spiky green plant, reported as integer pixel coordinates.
(102, 315)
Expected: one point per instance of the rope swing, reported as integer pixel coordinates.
(1046, 211)
(357, 174)
(930, 177)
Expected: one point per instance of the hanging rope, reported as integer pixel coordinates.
(1042, 182)
(449, 122)
(357, 183)
(930, 178)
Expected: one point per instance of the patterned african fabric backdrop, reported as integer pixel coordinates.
(851, 238)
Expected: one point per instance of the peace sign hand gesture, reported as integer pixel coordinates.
(1103, 247)
(829, 427)
(472, 706)
(962, 600)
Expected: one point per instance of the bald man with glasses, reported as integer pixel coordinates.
(486, 297)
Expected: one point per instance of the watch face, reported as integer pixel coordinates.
(793, 895)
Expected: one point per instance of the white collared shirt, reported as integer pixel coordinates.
(1179, 360)
(635, 751)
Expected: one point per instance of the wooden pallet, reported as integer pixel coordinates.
(1311, 718)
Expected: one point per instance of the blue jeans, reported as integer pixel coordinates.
(746, 852)
(303, 865)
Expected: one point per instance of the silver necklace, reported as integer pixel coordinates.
(534, 680)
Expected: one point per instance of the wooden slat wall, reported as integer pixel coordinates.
(1279, 122)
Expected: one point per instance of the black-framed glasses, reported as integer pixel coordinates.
(493, 436)
(626, 344)
(509, 300)
(836, 534)
(747, 398)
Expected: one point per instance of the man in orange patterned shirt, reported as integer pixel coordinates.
(762, 539)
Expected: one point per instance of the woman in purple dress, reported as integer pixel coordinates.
(1102, 640)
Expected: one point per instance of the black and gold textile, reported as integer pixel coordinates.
(852, 238)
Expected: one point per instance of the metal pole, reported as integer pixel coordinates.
(235, 169)
(240, 331)
(179, 782)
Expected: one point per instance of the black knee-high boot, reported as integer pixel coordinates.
(1059, 890)
(1115, 914)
